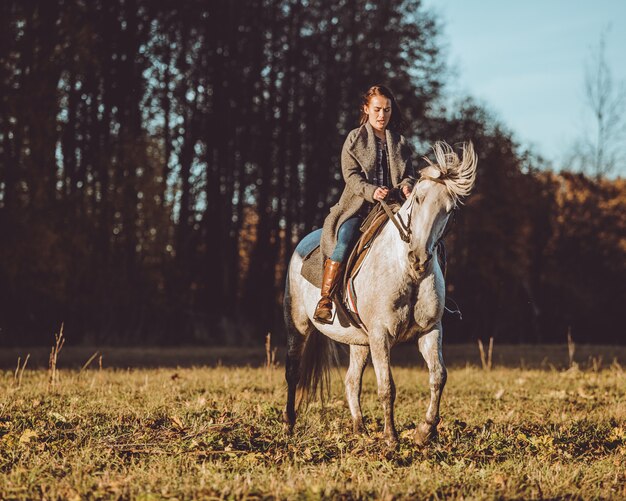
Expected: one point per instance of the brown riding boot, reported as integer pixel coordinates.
(323, 311)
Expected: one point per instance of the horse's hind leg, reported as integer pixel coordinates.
(354, 378)
(430, 348)
(295, 342)
(294, 315)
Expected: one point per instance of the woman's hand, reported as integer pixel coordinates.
(381, 193)
(406, 191)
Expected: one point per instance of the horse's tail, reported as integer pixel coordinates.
(319, 356)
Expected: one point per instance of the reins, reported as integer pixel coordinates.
(404, 229)
(405, 234)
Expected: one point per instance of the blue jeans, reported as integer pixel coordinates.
(346, 237)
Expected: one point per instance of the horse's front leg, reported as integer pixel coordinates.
(379, 349)
(354, 378)
(430, 348)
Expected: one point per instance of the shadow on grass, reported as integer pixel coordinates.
(547, 357)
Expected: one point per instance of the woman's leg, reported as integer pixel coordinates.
(346, 237)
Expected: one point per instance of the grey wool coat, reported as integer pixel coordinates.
(358, 165)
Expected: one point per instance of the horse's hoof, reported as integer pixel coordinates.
(288, 424)
(392, 441)
(358, 428)
(425, 434)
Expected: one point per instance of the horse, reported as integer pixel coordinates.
(401, 297)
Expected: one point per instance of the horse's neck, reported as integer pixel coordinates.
(393, 251)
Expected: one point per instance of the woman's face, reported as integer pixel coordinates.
(379, 112)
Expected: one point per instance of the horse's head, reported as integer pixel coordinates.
(436, 194)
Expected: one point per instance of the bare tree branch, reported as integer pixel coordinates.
(601, 149)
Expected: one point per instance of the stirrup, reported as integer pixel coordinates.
(327, 312)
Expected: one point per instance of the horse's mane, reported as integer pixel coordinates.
(457, 175)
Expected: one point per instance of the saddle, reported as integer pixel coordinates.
(344, 294)
(370, 229)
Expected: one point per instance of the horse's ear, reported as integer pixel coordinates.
(431, 171)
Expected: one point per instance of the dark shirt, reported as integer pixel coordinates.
(382, 173)
(382, 166)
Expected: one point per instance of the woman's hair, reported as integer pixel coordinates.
(397, 122)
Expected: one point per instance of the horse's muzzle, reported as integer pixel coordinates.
(420, 266)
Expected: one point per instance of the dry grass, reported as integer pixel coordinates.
(456, 356)
(216, 432)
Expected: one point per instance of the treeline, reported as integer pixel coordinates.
(534, 254)
(159, 162)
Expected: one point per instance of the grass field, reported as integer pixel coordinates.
(215, 432)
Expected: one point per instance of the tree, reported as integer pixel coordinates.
(601, 150)
(160, 160)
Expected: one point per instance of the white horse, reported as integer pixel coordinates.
(401, 297)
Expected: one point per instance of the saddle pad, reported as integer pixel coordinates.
(313, 267)
(309, 250)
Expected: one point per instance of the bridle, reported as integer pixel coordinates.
(404, 229)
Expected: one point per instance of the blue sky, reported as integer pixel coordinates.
(526, 60)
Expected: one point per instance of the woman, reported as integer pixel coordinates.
(374, 157)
